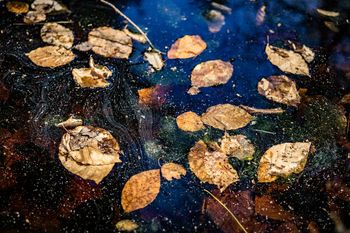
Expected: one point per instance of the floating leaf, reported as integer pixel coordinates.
(283, 160)
(17, 7)
(210, 73)
(279, 89)
(172, 171)
(89, 152)
(83, 47)
(109, 42)
(189, 121)
(216, 20)
(152, 96)
(226, 117)
(126, 225)
(327, 13)
(34, 17)
(141, 190)
(187, 47)
(51, 56)
(93, 77)
(135, 36)
(211, 167)
(56, 34)
(48, 6)
(287, 61)
(331, 26)
(155, 59)
(237, 146)
(71, 122)
(305, 52)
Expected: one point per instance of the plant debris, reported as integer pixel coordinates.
(252, 110)
(126, 225)
(152, 96)
(189, 121)
(135, 36)
(51, 56)
(17, 7)
(154, 58)
(172, 171)
(56, 34)
(187, 47)
(327, 13)
(83, 47)
(48, 6)
(71, 122)
(33, 17)
(237, 146)
(216, 20)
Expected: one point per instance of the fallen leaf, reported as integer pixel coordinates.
(83, 47)
(126, 225)
(210, 73)
(211, 167)
(172, 171)
(89, 152)
(187, 47)
(135, 36)
(152, 96)
(17, 7)
(305, 52)
(93, 77)
(56, 34)
(279, 89)
(33, 17)
(154, 59)
(345, 99)
(51, 56)
(283, 160)
(260, 15)
(331, 26)
(252, 110)
(266, 206)
(327, 13)
(189, 121)
(237, 146)
(71, 122)
(287, 60)
(109, 42)
(48, 6)
(221, 7)
(226, 117)
(216, 20)
(141, 190)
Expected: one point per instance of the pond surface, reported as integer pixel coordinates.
(37, 194)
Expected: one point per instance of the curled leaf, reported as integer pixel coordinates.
(34, 17)
(279, 89)
(71, 122)
(51, 56)
(187, 47)
(260, 15)
(17, 7)
(89, 152)
(56, 34)
(210, 73)
(327, 13)
(189, 121)
(172, 171)
(152, 96)
(126, 225)
(141, 190)
(237, 146)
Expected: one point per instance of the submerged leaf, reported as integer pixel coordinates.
(152, 96)
(154, 59)
(187, 47)
(237, 146)
(71, 122)
(327, 13)
(172, 171)
(34, 17)
(210, 73)
(141, 190)
(252, 110)
(266, 206)
(83, 47)
(17, 7)
(283, 160)
(189, 121)
(135, 36)
(109, 42)
(89, 152)
(126, 225)
(216, 20)
(56, 34)
(48, 6)
(260, 15)
(51, 56)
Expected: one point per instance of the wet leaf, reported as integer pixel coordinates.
(252, 110)
(331, 26)
(221, 7)
(216, 20)
(211, 167)
(56, 34)
(304, 51)
(109, 42)
(187, 47)
(71, 122)
(260, 15)
(51, 56)
(93, 77)
(126, 225)
(154, 59)
(210, 73)
(279, 89)
(172, 171)
(283, 160)
(189, 121)
(141, 190)
(237, 146)
(83, 47)
(266, 206)
(33, 17)
(17, 7)
(89, 152)
(287, 60)
(226, 117)
(152, 96)
(327, 13)
(48, 6)
(135, 36)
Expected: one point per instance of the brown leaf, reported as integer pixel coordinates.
(266, 206)
(211, 167)
(152, 96)
(93, 77)
(51, 56)
(287, 60)
(237, 146)
(172, 171)
(126, 225)
(187, 47)
(327, 13)
(210, 73)
(33, 17)
(48, 6)
(226, 117)
(71, 122)
(154, 59)
(109, 42)
(216, 20)
(17, 7)
(135, 36)
(260, 16)
(189, 121)
(89, 152)
(56, 34)
(141, 190)
(283, 160)
(279, 89)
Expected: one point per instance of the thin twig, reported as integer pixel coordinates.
(252, 110)
(41, 23)
(228, 210)
(263, 131)
(130, 21)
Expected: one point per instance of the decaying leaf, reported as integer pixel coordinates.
(109, 42)
(93, 77)
(287, 60)
(71, 122)
(152, 96)
(221, 7)
(283, 160)
(210, 73)
(51, 56)
(252, 110)
(126, 225)
(279, 89)
(135, 36)
(34, 17)
(331, 26)
(304, 51)
(260, 15)
(17, 7)
(211, 167)
(237, 146)
(226, 117)
(266, 206)
(56, 34)
(189, 121)
(345, 99)
(187, 47)
(216, 20)
(141, 190)
(89, 152)
(172, 171)
(327, 13)
(154, 59)
(83, 47)
(48, 6)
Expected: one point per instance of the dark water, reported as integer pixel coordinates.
(37, 192)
